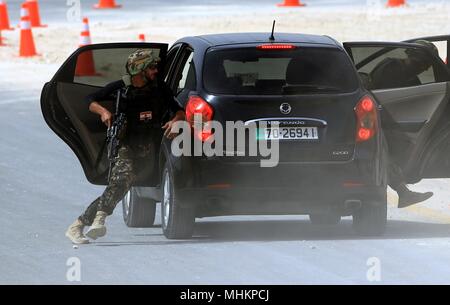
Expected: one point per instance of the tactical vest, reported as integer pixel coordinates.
(145, 110)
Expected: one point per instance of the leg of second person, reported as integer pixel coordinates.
(406, 197)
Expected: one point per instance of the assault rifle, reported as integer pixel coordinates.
(114, 132)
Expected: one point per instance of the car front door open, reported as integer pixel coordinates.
(66, 112)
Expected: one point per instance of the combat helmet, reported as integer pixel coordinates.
(139, 60)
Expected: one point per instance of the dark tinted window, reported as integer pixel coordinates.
(395, 67)
(185, 78)
(169, 62)
(273, 72)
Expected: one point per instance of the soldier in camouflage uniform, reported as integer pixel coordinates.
(146, 102)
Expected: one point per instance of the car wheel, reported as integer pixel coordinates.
(138, 212)
(325, 219)
(177, 222)
(371, 218)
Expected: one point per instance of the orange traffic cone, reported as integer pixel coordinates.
(102, 4)
(27, 48)
(292, 3)
(85, 62)
(4, 18)
(142, 37)
(33, 8)
(85, 35)
(395, 3)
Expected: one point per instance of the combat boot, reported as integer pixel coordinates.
(408, 198)
(75, 233)
(98, 228)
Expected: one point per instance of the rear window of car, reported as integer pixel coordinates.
(303, 70)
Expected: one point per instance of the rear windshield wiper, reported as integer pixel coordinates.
(296, 89)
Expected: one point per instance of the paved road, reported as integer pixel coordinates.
(56, 10)
(43, 189)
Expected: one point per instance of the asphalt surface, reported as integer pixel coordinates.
(43, 189)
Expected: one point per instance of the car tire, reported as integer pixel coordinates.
(371, 218)
(325, 219)
(177, 221)
(138, 212)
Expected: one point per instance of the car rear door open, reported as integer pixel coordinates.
(66, 112)
(412, 85)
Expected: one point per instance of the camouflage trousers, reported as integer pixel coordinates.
(122, 177)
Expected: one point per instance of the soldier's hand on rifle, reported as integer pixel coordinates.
(106, 118)
(104, 114)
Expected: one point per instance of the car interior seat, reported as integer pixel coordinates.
(221, 82)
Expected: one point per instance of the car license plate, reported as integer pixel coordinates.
(288, 133)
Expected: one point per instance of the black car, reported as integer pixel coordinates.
(333, 153)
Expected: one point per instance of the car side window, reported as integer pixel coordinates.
(186, 78)
(394, 67)
(102, 66)
(171, 55)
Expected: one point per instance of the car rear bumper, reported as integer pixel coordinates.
(216, 187)
(276, 201)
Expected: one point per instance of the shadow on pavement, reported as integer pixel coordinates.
(280, 230)
(289, 230)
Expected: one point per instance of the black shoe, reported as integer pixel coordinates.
(408, 198)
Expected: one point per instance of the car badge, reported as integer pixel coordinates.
(285, 108)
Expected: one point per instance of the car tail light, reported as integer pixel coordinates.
(198, 106)
(366, 119)
(276, 47)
